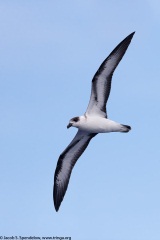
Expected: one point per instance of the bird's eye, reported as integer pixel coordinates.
(75, 119)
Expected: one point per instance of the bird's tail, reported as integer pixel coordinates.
(125, 128)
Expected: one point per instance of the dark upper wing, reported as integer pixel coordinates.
(101, 83)
(66, 163)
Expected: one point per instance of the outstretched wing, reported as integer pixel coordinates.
(66, 163)
(101, 83)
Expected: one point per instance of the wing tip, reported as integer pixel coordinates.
(57, 203)
(130, 36)
(128, 39)
(133, 33)
(56, 207)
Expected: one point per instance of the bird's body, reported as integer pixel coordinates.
(98, 124)
(94, 121)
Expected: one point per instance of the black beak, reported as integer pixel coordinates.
(69, 125)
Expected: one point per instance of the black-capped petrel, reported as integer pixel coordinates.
(94, 121)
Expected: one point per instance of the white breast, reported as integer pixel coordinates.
(96, 124)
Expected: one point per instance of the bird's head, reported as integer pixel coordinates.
(74, 122)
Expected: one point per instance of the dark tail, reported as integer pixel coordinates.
(125, 128)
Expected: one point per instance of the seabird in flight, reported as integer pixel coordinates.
(94, 121)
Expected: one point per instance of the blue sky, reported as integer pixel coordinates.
(49, 52)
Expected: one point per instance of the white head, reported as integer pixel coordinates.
(74, 122)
